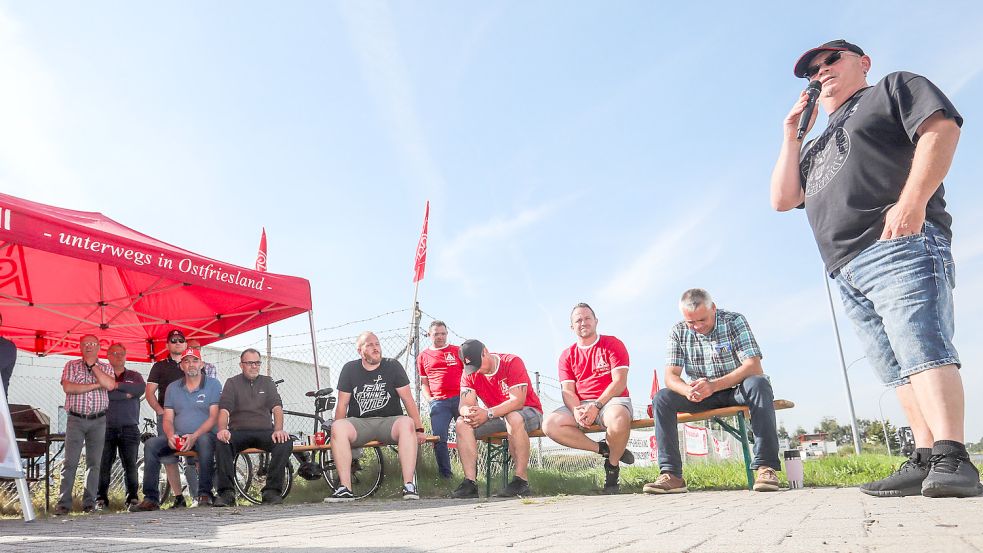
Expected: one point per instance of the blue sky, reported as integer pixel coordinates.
(614, 153)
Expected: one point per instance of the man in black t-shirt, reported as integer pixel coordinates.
(871, 185)
(369, 392)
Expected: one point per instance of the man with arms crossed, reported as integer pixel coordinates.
(86, 382)
(871, 185)
(122, 428)
(510, 405)
(594, 383)
(440, 383)
(369, 392)
(722, 359)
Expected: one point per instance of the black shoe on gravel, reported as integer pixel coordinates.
(905, 481)
(611, 474)
(467, 490)
(517, 487)
(952, 475)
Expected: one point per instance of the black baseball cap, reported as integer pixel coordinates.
(174, 333)
(803, 64)
(471, 351)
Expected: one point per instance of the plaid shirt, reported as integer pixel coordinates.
(714, 355)
(91, 402)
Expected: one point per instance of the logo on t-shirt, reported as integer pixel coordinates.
(504, 386)
(450, 358)
(825, 159)
(602, 366)
(372, 397)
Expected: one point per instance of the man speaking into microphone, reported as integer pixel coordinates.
(871, 185)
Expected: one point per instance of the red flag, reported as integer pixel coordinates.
(421, 249)
(261, 256)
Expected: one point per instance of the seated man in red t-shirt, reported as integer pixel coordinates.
(594, 383)
(510, 405)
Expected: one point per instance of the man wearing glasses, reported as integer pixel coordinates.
(122, 428)
(86, 382)
(162, 373)
(251, 415)
(871, 185)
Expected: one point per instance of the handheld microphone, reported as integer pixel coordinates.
(813, 91)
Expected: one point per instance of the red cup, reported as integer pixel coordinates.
(320, 437)
(178, 443)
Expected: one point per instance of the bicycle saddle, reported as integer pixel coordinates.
(320, 393)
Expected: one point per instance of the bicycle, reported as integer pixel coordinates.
(367, 464)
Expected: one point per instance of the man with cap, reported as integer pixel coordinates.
(594, 384)
(190, 415)
(162, 373)
(440, 383)
(251, 415)
(508, 404)
(370, 390)
(86, 382)
(871, 185)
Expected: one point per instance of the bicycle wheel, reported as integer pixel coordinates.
(367, 470)
(163, 488)
(251, 474)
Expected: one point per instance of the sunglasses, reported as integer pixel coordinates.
(176, 340)
(812, 70)
(252, 363)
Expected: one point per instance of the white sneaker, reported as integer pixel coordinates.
(409, 491)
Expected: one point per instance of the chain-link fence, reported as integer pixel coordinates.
(290, 358)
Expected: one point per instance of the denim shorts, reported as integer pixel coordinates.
(898, 293)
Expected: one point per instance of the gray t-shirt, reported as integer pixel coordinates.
(855, 170)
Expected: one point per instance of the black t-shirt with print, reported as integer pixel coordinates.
(855, 170)
(373, 392)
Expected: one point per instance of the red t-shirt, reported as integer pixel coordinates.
(443, 369)
(493, 389)
(589, 367)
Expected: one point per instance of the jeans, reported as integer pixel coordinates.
(244, 439)
(755, 392)
(898, 293)
(442, 412)
(156, 448)
(91, 434)
(125, 440)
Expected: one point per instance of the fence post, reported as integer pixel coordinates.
(269, 351)
(539, 441)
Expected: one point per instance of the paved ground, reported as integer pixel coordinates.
(810, 520)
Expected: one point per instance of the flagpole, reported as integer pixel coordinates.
(419, 265)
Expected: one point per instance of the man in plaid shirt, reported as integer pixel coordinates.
(723, 362)
(86, 382)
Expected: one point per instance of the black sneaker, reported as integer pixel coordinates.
(227, 499)
(905, 481)
(61, 511)
(409, 491)
(340, 495)
(467, 490)
(611, 474)
(179, 502)
(517, 487)
(604, 450)
(952, 475)
(101, 504)
(272, 498)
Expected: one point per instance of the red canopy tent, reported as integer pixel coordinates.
(67, 273)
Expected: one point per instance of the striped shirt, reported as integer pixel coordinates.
(93, 401)
(714, 355)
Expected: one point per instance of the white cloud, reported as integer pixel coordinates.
(373, 34)
(679, 250)
(451, 258)
(30, 109)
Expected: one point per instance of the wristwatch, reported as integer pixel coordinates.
(490, 414)
(598, 404)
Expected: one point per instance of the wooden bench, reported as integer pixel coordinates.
(498, 443)
(300, 448)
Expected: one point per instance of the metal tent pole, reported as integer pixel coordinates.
(317, 368)
(846, 377)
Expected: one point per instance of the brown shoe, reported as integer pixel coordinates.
(767, 480)
(666, 483)
(145, 505)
